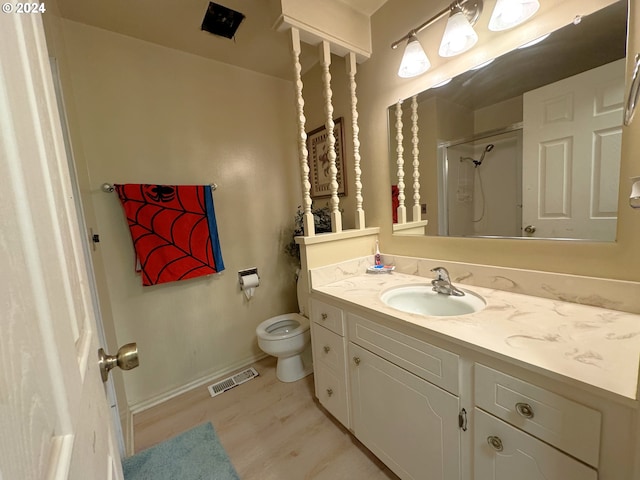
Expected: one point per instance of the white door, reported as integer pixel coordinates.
(571, 155)
(503, 452)
(407, 422)
(54, 420)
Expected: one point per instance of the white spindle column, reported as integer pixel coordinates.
(402, 210)
(303, 154)
(416, 161)
(325, 62)
(351, 72)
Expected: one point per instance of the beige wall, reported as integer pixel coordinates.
(379, 87)
(149, 114)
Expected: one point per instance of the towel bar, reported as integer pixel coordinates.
(108, 187)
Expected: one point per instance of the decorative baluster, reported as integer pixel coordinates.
(303, 154)
(402, 210)
(416, 161)
(325, 62)
(351, 72)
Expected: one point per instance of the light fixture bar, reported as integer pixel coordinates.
(472, 13)
(420, 28)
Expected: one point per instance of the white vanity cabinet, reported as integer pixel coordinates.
(433, 409)
(330, 369)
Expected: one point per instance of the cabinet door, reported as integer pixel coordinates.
(410, 424)
(503, 452)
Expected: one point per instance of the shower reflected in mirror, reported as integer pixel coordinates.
(481, 191)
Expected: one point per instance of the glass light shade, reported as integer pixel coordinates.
(459, 36)
(509, 13)
(442, 83)
(414, 61)
(534, 42)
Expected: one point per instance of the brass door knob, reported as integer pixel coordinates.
(126, 359)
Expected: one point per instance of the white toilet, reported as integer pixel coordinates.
(288, 338)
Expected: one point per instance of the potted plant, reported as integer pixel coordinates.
(321, 222)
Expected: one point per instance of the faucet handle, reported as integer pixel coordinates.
(442, 273)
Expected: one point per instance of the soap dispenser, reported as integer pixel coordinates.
(377, 258)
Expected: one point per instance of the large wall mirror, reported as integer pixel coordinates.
(527, 146)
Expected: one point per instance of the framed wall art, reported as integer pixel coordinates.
(320, 176)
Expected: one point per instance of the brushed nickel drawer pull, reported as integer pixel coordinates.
(524, 410)
(327, 349)
(356, 360)
(329, 391)
(495, 443)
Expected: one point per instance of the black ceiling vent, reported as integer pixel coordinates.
(221, 20)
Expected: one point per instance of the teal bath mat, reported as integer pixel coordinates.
(194, 455)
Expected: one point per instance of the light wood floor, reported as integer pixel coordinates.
(271, 430)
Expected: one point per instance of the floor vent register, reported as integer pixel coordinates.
(233, 381)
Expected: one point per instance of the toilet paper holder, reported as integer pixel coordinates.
(245, 272)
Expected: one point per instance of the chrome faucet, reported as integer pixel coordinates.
(442, 283)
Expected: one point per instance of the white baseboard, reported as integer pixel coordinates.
(127, 423)
(210, 378)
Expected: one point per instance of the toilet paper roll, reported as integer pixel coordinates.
(248, 284)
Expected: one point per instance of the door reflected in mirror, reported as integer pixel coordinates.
(527, 146)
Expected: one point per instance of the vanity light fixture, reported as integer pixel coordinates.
(414, 61)
(509, 13)
(459, 36)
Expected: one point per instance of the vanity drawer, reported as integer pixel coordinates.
(427, 361)
(561, 422)
(328, 316)
(331, 390)
(328, 348)
(330, 372)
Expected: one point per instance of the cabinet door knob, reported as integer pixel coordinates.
(327, 349)
(495, 443)
(356, 360)
(329, 391)
(324, 316)
(524, 410)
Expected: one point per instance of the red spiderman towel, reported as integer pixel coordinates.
(174, 230)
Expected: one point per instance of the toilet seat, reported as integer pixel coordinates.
(282, 327)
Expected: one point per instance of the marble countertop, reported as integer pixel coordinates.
(594, 346)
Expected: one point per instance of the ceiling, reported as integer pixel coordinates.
(176, 24)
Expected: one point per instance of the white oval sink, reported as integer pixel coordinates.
(422, 299)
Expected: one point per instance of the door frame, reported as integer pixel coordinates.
(110, 390)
